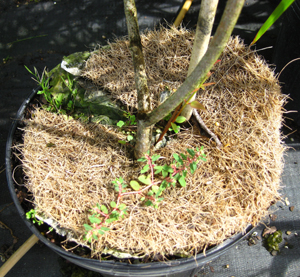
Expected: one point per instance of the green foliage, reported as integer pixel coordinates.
(150, 190)
(131, 121)
(56, 101)
(102, 215)
(32, 215)
(283, 5)
(273, 240)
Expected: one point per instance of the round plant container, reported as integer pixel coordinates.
(175, 268)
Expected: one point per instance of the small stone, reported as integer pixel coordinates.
(274, 253)
(287, 202)
(227, 266)
(292, 208)
(273, 217)
(288, 232)
(251, 241)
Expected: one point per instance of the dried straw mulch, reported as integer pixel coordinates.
(234, 187)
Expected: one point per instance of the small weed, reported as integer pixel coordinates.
(55, 103)
(146, 186)
(131, 121)
(43, 82)
(32, 215)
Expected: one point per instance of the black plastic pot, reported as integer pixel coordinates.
(175, 268)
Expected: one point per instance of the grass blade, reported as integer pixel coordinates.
(283, 5)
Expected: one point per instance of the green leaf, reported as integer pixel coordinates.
(94, 219)
(197, 105)
(155, 157)
(155, 188)
(180, 119)
(150, 193)
(145, 168)
(203, 159)
(95, 236)
(145, 180)
(177, 158)
(175, 127)
(104, 209)
(191, 152)
(142, 198)
(183, 156)
(135, 185)
(105, 228)
(120, 124)
(122, 141)
(88, 227)
(129, 137)
(176, 177)
(143, 159)
(148, 203)
(163, 185)
(70, 105)
(122, 207)
(29, 70)
(167, 168)
(181, 181)
(111, 219)
(113, 204)
(193, 167)
(100, 232)
(158, 169)
(283, 5)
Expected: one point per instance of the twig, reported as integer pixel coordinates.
(202, 124)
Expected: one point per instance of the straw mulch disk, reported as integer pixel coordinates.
(70, 166)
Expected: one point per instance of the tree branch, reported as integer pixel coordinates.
(136, 49)
(202, 124)
(217, 45)
(205, 23)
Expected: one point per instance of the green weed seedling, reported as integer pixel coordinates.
(131, 121)
(43, 82)
(32, 215)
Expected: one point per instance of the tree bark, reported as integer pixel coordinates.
(144, 133)
(205, 23)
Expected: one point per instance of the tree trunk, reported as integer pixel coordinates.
(143, 136)
(205, 23)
